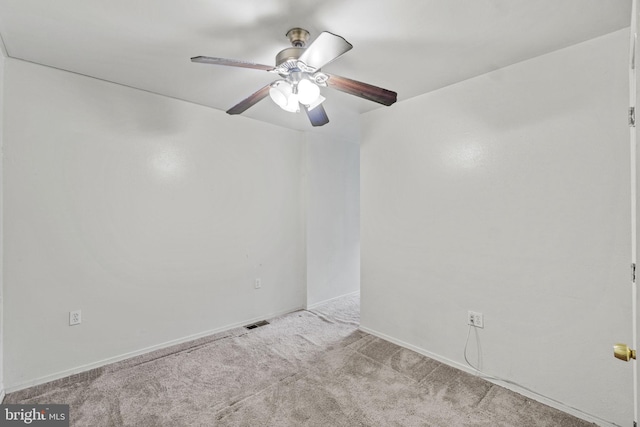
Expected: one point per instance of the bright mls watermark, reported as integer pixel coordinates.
(34, 415)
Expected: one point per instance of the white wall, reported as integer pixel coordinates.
(333, 216)
(508, 194)
(2, 60)
(151, 215)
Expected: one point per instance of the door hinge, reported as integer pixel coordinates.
(633, 272)
(632, 116)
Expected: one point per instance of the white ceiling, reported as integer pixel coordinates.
(409, 46)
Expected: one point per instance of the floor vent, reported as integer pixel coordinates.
(257, 324)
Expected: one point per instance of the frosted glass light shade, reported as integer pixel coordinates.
(282, 94)
(308, 92)
(280, 91)
(292, 105)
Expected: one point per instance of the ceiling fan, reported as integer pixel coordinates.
(299, 68)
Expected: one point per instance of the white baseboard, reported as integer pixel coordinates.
(318, 304)
(114, 359)
(513, 387)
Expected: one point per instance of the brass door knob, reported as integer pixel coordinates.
(623, 352)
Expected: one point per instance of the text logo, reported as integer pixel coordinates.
(34, 415)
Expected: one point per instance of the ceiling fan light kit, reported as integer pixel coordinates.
(299, 68)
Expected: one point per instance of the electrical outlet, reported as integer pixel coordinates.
(257, 284)
(475, 319)
(75, 317)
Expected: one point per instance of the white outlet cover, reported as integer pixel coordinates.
(475, 319)
(75, 317)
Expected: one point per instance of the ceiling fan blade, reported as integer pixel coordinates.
(363, 90)
(324, 49)
(317, 115)
(250, 101)
(230, 63)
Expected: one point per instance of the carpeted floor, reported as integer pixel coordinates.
(312, 368)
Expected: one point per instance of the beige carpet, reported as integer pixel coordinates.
(308, 368)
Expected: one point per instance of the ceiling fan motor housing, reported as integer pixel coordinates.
(287, 60)
(289, 54)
